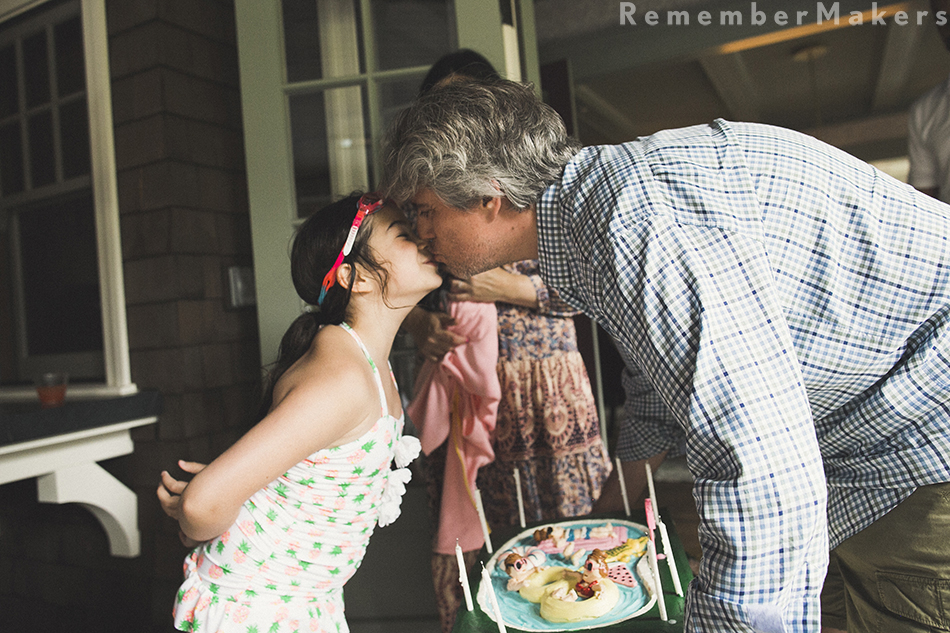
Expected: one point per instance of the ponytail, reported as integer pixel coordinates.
(294, 344)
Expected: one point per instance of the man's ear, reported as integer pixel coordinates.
(491, 206)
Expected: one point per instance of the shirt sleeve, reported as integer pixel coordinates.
(647, 427)
(924, 167)
(549, 301)
(753, 449)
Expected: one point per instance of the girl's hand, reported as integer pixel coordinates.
(169, 495)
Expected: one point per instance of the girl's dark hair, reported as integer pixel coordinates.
(317, 243)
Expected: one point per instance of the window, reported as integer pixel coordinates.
(350, 66)
(61, 300)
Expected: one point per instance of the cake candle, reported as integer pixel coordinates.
(463, 577)
(520, 498)
(656, 511)
(664, 535)
(656, 579)
(668, 549)
(493, 599)
(481, 519)
(623, 487)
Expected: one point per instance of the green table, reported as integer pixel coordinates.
(478, 622)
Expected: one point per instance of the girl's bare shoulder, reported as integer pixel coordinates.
(334, 361)
(327, 397)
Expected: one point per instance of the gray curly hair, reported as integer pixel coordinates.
(470, 139)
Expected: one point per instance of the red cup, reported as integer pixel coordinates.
(51, 388)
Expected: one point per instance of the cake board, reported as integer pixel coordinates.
(477, 621)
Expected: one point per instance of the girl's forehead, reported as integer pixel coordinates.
(397, 211)
(384, 224)
(387, 214)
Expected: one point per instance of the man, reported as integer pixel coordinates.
(783, 312)
(928, 125)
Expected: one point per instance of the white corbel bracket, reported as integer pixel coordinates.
(66, 471)
(106, 497)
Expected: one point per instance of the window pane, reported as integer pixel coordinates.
(301, 41)
(10, 95)
(396, 96)
(311, 161)
(331, 146)
(70, 72)
(322, 39)
(426, 22)
(74, 136)
(36, 69)
(42, 156)
(61, 278)
(11, 160)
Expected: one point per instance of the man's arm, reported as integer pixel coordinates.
(718, 350)
(648, 432)
(751, 445)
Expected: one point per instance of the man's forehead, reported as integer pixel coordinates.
(423, 198)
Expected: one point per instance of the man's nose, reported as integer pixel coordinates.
(424, 229)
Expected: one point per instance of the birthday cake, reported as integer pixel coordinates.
(570, 576)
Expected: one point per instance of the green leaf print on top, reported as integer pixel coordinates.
(295, 544)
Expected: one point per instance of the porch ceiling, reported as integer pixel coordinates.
(849, 84)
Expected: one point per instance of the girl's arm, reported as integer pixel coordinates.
(318, 412)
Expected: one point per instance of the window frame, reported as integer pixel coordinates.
(117, 366)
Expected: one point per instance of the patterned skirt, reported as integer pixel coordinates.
(548, 429)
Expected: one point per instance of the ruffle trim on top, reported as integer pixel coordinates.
(406, 450)
(205, 606)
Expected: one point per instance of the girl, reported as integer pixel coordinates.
(284, 515)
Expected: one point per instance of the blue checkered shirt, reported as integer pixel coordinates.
(783, 312)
